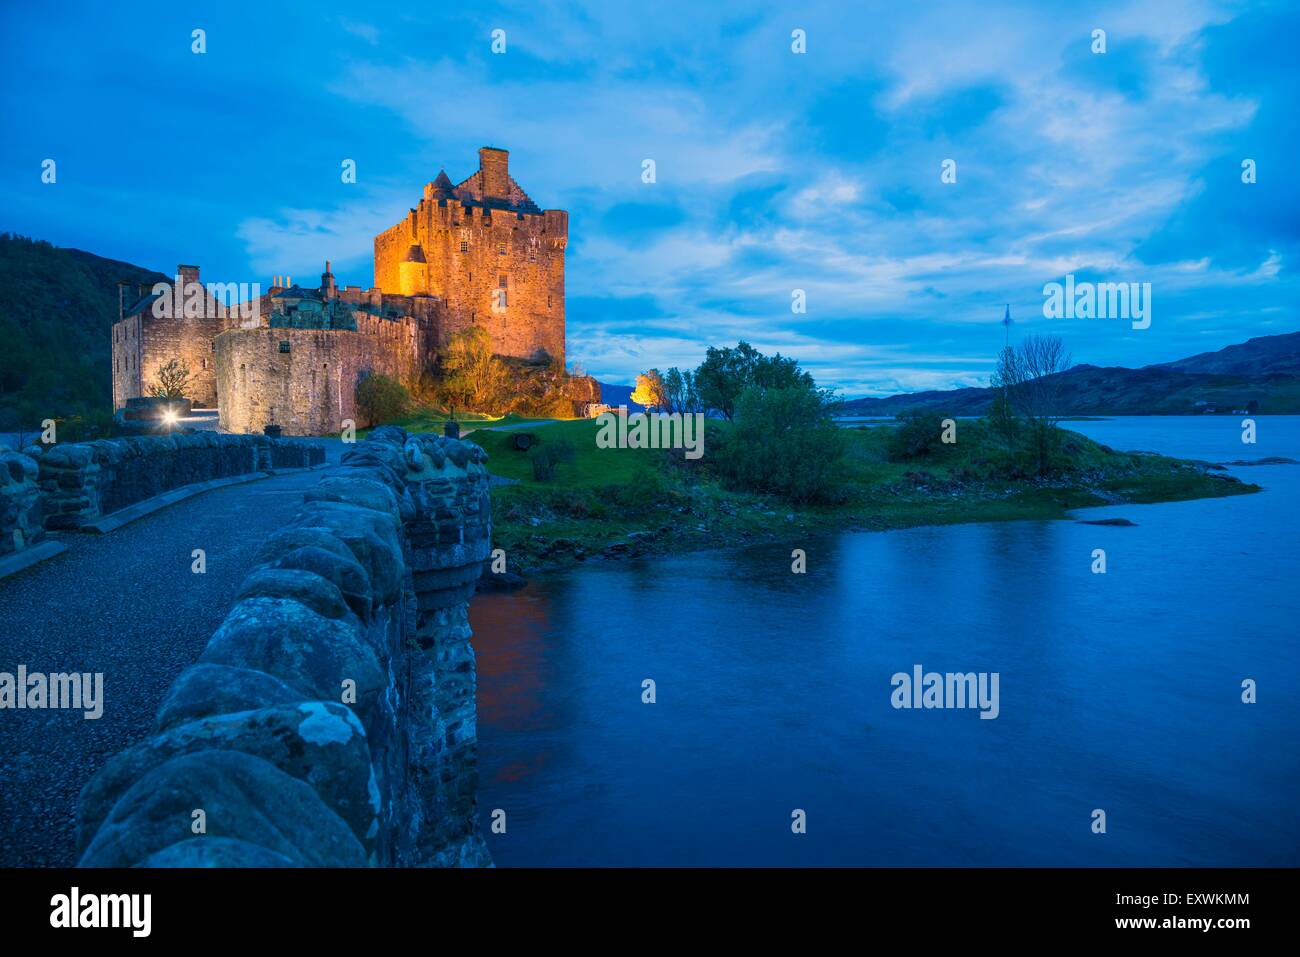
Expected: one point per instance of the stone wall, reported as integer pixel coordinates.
(128, 378)
(311, 388)
(21, 505)
(79, 482)
(331, 719)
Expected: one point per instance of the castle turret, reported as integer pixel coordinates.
(327, 287)
(494, 166)
(413, 272)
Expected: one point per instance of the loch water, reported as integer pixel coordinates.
(1119, 691)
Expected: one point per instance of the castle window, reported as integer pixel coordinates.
(548, 302)
(501, 249)
(284, 345)
(464, 246)
(502, 281)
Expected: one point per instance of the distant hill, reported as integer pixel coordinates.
(1260, 375)
(1263, 355)
(57, 309)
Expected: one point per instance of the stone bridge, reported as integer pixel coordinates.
(330, 719)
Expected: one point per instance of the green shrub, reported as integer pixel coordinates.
(381, 399)
(547, 456)
(917, 434)
(647, 489)
(86, 428)
(784, 442)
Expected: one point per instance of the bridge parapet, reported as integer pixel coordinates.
(330, 721)
(79, 482)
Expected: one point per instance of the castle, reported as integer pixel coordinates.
(480, 253)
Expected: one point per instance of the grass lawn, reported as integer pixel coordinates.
(427, 419)
(591, 467)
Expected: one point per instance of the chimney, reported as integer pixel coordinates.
(188, 274)
(122, 286)
(327, 282)
(494, 164)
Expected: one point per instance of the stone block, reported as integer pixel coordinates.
(204, 690)
(310, 653)
(242, 797)
(317, 742)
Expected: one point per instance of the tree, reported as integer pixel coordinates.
(472, 377)
(381, 399)
(649, 390)
(173, 380)
(1001, 418)
(1029, 377)
(680, 392)
(726, 373)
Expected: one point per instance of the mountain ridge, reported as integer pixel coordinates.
(1261, 375)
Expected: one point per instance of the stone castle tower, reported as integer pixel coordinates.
(489, 253)
(481, 253)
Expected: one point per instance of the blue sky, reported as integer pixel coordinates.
(775, 171)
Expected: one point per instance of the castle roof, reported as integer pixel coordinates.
(297, 292)
(142, 305)
(443, 182)
(471, 191)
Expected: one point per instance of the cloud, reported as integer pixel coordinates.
(791, 173)
(365, 31)
(298, 241)
(775, 171)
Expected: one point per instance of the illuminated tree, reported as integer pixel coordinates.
(649, 390)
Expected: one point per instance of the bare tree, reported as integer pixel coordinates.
(1029, 380)
(173, 380)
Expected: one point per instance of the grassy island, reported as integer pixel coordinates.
(613, 502)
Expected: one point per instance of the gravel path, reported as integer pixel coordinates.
(125, 604)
